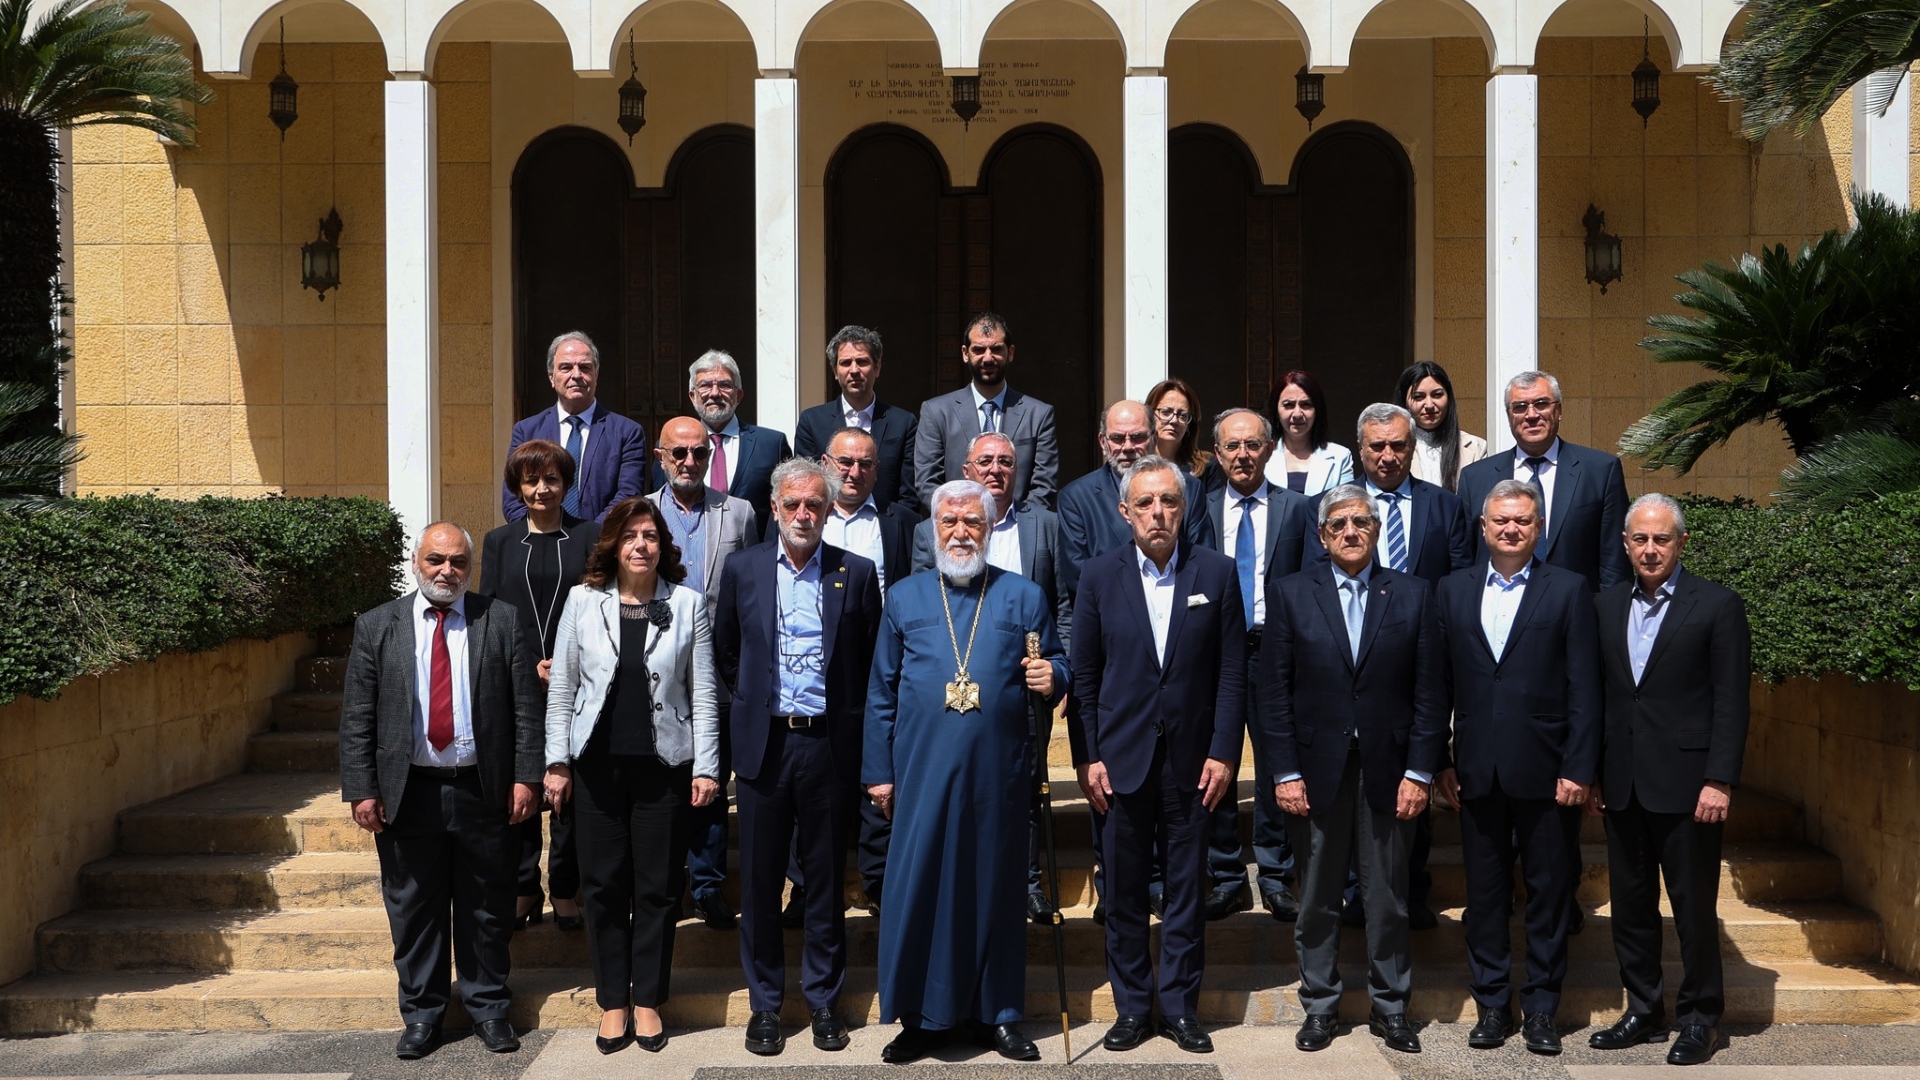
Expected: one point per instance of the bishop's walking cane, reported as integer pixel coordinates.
(1053, 859)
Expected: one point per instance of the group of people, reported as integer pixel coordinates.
(870, 639)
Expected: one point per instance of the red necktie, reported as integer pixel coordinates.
(440, 685)
(717, 480)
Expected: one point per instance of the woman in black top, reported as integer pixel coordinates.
(531, 564)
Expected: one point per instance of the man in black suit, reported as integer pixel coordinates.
(1675, 658)
(442, 747)
(1355, 715)
(793, 636)
(1524, 670)
(743, 454)
(1156, 724)
(1264, 530)
(854, 355)
(1090, 519)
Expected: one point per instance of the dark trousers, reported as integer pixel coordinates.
(872, 835)
(563, 863)
(795, 791)
(707, 839)
(447, 877)
(632, 831)
(1166, 809)
(1494, 830)
(1642, 846)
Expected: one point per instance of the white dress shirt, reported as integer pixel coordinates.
(1524, 473)
(1157, 584)
(586, 427)
(1262, 501)
(1003, 543)
(860, 418)
(858, 532)
(460, 751)
(1499, 603)
(730, 439)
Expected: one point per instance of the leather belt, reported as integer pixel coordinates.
(448, 772)
(801, 723)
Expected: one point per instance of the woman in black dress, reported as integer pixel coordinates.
(531, 564)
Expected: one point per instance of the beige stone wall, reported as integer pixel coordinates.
(1849, 753)
(70, 766)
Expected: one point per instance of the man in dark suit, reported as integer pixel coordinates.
(1263, 529)
(1586, 494)
(793, 636)
(441, 749)
(1524, 671)
(854, 355)
(1090, 518)
(949, 422)
(1156, 723)
(743, 454)
(1675, 659)
(1355, 712)
(609, 450)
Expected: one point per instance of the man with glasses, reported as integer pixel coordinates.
(744, 455)
(609, 451)
(707, 526)
(854, 357)
(949, 422)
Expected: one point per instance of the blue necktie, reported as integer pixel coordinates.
(571, 504)
(1246, 555)
(1396, 533)
(991, 412)
(1356, 615)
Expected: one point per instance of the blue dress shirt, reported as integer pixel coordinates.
(803, 676)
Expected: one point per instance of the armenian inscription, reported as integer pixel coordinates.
(1011, 91)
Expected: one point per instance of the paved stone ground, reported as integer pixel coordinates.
(1780, 1052)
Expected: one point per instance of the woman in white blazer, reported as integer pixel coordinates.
(1304, 461)
(1441, 449)
(633, 735)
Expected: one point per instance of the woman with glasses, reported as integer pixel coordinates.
(1441, 449)
(1173, 409)
(531, 564)
(1305, 461)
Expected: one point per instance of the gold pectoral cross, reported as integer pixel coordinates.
(963, 694)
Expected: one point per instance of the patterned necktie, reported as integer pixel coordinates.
(571, 504)
(1246, 554)
(1396, 532)
(1540, 465)
(717, 477)
(440, 685)
(1356, 615)
(990, 422)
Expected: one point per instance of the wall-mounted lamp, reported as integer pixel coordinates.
(1603, 250)
(283, 94)
(633, 96)
(966, 99)
(1646, 77)
(320, 259)
(1309, 94)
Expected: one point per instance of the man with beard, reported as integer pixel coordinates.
(947, 744)
(949, 422)
(441, 746)
(609, 451)
(743, 454)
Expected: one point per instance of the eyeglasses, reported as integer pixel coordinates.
(1251, 446)
(990, 462)
(1540, 405)
(700, 453)
(709, 385)
(848, 464)
(1363, 522)
(1140, 439)
(1177, 415)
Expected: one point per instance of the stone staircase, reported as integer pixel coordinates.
(253, 904)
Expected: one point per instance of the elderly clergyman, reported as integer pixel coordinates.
(441, 747)
(947, 759)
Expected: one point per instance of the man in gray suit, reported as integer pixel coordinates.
(707, 526)
(949, 422)
(441, 749)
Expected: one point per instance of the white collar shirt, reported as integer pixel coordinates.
(1003, 543)
(1499, 603)
(586, 424)
(860, 418)
(858, 532)
(460, 751)
(1157, 585)
(1236, 506)
(1523, 472)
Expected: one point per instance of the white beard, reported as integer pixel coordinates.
(961, 561)
(436, 593)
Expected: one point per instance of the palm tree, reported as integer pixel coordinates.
(1796, 57)
(30, 465)
(76, 66)
(1880, 458)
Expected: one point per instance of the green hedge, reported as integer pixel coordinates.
(1826, 592)
(92, 584)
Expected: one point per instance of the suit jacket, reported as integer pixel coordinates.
(749, 470)
(1328, 468)
(1531, 716)
(1125, 700)
(1315, 697)
(503, 574)
(380, 698)
(894, 429)
(1685, 722)
(948, 425)
(1038, 530)
(746, 647)
(1090, 522)
(728, 524)
(1584, 521)
(616, 465)
(1290, 521)
(1439, 540)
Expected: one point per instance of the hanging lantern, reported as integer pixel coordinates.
(633, 97)
(283, 94)
(320, 259)
(1309, 94)
(966, 99)
(1603, 250)
(1646, 77)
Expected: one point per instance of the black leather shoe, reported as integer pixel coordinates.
(1630, 1030)
(1694, 1045)
(1392, 1029)
(1317, 1032)
(417, 1042)
(1494, 1027)
(1226, 899)
(763, 1034)
(828, 1032)
(1005, 1040)
(712, 909)
(1421, 917)
(1538, 1030)
(912, 1044)
(1280, 904)
(1100, 913)
(497, 1036)
(618, 1042)
(1157, 903)
(1127, 1033)
(1038, 910)
(652, 1044)
(795, 912)
(521, 922)
(572, 924)
(1187, 1034)
(1577, 922)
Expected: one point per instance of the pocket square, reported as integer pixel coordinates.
(1198, 600)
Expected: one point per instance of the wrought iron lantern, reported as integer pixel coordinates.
(1603, 250)
(320, 258)
(1309, 94)
(966, 99)
(633, 96)
(283, 94)
(1646, 78)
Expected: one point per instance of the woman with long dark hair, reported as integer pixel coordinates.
(1440, 448)
(1174, 411)
(1305, 460)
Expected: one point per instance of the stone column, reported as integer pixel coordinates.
(1513, 239)
(413, 304)
(776, 196)
(1881, 144)
(1144, 171)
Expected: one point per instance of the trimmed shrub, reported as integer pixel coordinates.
(92, 584)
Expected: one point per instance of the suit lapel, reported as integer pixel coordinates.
(1217, 509)
(717, 515)
(1563, 488)
(1029, 541)
(1013, 413)
(737, 468)
(476, 628)
(1182, 588)
(1133, 598)
(1684, 597)
(1325, 595)
(1529, 604)
(1382, 595)
(408, 640)
(1614, 615)
(833, 598)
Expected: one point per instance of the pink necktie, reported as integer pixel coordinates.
(717, 479)
(440, 685)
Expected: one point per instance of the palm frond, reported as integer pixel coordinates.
(80, 65)
(1856, 466)
(1796, 58)
(31, 466)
